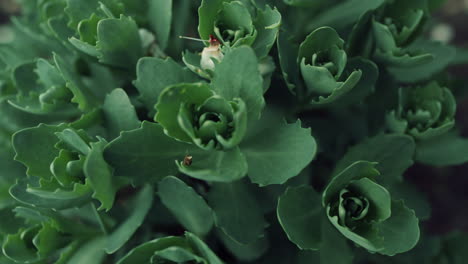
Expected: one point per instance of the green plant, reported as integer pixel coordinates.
(282, 137)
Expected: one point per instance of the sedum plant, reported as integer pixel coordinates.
(284, 135)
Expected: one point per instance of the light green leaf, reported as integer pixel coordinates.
(207, 13)
(34, 148)
(237, 76)
(188, 207)
(300, 214)
(91, 253)
(170, 102)
(159, 17)
(72, 140)
(140, 207)
(123, 49)
(119, 113)
(277, 151)
(100, 175)
(267, 23)
(217, 166)
(237, 212)
(154, 74)
(145, 251)
(57, 199)
(145, 154)
(82, 95)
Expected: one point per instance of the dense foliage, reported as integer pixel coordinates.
(282, 137)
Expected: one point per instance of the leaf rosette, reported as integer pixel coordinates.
(390, 30)
(319, 72)
(45, 237)
(194, 113)
(230, 21)
(61, 168)
(361, 209)
(423, 111)
(322, 61)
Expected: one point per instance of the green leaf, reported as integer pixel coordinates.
(277, 151)
(73, 141)
(140, 207)
(81, 93)
(100, 176)
(34, 148)
(145, 154)
(237, 76)
(160, 16)
(217, 166)
(123, 49)
(237, 213)
(173, 249)
(170, 102)
(154, 74)
(186, 205)
(249, 252)
(145, 251)
(377, 195)
(413, 197)
(267, 23)
(207, 13)
(443, 56)
(202, 249)
(119, 113)
(345, 13)
(357, 170)
(300, 214)
(393, 154)
(446, 150)
(57, 199)
(334, 248)
(92, 252)
(400, 231)
(142, 155)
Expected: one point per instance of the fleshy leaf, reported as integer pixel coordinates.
(100, 175)
(139, 209)
(154, 74)
(237, 76)
(400, 231)
(237, 213)
(187, 206)
(357, 170)
(393, 154)
(34, 148)
(218, 166)
(277, 151)
(119, 113)
(160, 16)
(300, 214)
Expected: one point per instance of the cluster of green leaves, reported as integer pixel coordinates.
(282, 139)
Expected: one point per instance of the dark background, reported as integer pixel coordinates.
(446, 188)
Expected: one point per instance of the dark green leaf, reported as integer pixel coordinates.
(237, 212)
(140, 207)
(300, 214)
